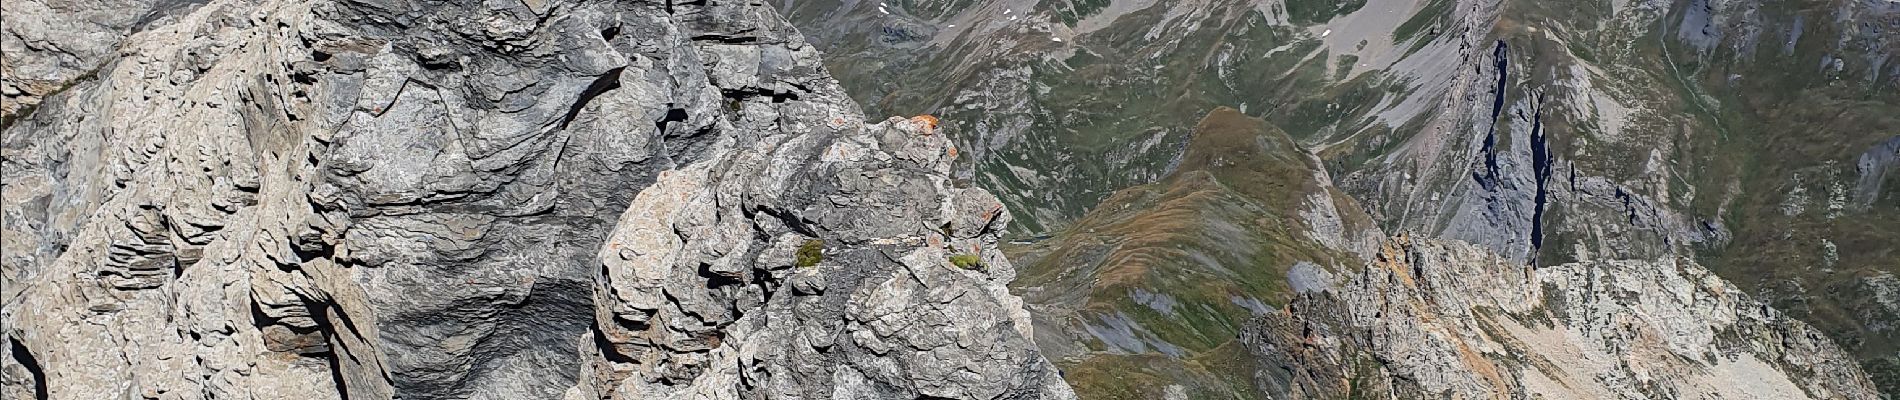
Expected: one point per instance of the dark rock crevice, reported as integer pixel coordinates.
(1541, 160)
(673, 114)
(606, 82)
(1489, 177)
(336, 350)
(745, 93)
(24, 356)
(726, 39)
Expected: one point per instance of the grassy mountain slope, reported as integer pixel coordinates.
(1154, 287)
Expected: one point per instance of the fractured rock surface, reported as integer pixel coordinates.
(390, 198)
(1449, 319)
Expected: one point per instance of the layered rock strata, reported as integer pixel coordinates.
(388, 198)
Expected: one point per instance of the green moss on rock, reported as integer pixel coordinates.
(810, 253)
(967, 261)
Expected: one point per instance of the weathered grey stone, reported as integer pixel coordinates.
(318, 199)
(1432, 319)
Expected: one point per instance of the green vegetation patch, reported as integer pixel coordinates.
(810, 253)
(1074, 11)
(1307, 12)
(967, 261)
(1435, 13)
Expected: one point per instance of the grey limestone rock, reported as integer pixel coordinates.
(374, 199)
(1449, 319)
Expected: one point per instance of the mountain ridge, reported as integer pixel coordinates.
(1726, 131)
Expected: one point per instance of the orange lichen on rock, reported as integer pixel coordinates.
(953, 151)
(928, 121)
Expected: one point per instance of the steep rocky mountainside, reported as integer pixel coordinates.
(373, 199)
(1756, 137)
(634, 199)
(1240, 275)
(1431, 319)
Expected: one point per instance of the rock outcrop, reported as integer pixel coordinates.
(372, 199)
(1432, 319)
(48, 45)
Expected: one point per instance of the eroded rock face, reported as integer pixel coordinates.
(47, 45)
(705, 294)
(380, 199)
(1433, 319)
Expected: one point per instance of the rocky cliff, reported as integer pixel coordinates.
(504, 199)
(1432, 319)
